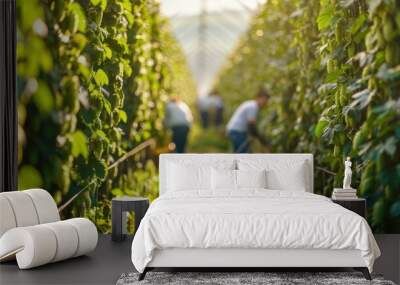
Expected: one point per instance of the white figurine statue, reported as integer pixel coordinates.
(347, 174)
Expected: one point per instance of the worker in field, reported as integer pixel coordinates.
(243, 122)
(178, 118)
(203, 103)
(218, 106)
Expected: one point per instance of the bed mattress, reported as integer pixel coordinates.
(250, 219)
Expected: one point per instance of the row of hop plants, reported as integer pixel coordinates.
(93, 78)
(333, 70)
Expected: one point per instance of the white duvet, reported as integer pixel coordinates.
(250, 219)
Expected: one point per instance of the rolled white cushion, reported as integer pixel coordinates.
(23, 208)
(87, 235)
(46, 208)
(33, 246)
(26, 208)
(7, 218)
(45, 243)
(67, 240)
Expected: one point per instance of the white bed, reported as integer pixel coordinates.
(249, 227)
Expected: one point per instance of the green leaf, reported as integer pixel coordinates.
(80, 40)
(116, 192)
(107, 52)
(123, 116)
(43, 98)
(395, 209)
(101, 77)
(89, 116)
(101, 134)
(79, 144)
(107, 106)
(390, 146)
(325, 17)
(101, 3)
(100, 169)
(29, 177)
(357, 24)
(320, 127)
(77, 10)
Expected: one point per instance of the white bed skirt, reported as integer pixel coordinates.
(190, 257)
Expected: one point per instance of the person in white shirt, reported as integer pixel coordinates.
(243, 122)
(178, 118)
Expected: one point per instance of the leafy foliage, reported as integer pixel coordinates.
(333, 69)
(93, 77)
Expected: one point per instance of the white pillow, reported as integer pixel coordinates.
(193, 174)
(185, 178)
(292, 180)
(251, 178)
(204, 162)
(281, 174)
(223, 179)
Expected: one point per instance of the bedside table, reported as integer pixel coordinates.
(357, 205)
(119, 207)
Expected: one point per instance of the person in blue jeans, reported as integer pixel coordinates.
(243, 122)
(203, 103)
(178, 118)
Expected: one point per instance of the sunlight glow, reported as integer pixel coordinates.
(193, 7)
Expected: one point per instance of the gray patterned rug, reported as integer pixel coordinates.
(229, 278)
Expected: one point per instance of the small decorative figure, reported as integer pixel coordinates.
(347, 174)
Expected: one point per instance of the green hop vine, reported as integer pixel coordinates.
(333, 69)
(92, 83)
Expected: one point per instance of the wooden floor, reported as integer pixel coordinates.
(110, 260)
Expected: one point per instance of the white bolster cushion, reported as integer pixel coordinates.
(66, 238)
(46, 208)
(26, 208)
(22, 207)
(7, 218)
(40, 244)
(33, 246)
(87, 235)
